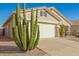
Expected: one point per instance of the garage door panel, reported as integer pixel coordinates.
(47, 30)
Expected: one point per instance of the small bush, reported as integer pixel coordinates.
(62, 30)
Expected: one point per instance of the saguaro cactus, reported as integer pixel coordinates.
(21, 31)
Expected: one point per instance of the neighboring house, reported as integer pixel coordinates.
(49, 20)
(1, 31)
(75, 27)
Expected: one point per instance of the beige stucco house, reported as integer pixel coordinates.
(49, 20)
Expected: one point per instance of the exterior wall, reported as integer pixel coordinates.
(8, 29)
(61, 19)
(48, 18)
(57, 34)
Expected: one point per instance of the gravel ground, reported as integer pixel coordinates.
(9, 48)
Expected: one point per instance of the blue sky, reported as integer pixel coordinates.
(69, 10)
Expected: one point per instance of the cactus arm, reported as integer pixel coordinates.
(24, 38)
(36, 21)
(24, 14)
(27, 34)
(31, 30)
(25, 30)
(34, 30)
(37, 37)
(15, 33)
(17, 36)
(17, 14)
(18, 23)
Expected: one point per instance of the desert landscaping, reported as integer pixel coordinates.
(66, 46)
(9, 48)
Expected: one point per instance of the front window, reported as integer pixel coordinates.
(43, 13)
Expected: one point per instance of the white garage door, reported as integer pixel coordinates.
(47, 30)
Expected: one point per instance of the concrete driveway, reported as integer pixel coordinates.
(59, 47)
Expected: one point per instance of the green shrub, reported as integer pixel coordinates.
(62, 30)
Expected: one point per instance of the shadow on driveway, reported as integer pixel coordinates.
(9, 49)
